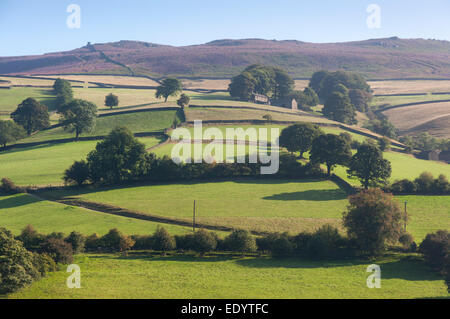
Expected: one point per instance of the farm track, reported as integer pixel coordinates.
(119, 211)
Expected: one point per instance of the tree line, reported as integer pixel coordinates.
(367, 165)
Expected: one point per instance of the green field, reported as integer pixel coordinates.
(268, 131)
(10, 99)
(151, 121)
(268, 205)
(20, 210)
(404, 166)
(143, 275)
(426, 214)
(45, 164)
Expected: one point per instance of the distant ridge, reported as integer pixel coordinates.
(375, 58)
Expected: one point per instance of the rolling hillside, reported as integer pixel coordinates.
(376, 58)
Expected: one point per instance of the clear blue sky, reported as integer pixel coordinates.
(36, 27)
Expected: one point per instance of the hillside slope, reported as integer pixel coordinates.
(377, 58)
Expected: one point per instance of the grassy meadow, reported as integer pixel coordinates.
(262, 205)
(45, 164)
(145, 275)
(403, 166)
(18, 211)
(150, 121)
(10, 99)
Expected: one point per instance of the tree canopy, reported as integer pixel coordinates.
(332, 150)
(369, 167)
(119, 157)
(299, 137)
(63, 91)
(31, 115)
(168, 87)
(183, 100)
(79, 116)
(10, 132)
(271, 81)
(373, 219)
(111, 100)
(338, 107)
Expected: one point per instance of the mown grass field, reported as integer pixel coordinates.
(404, 166)
(409, 117)
(127, 97)
(108, 79)
(413, 86)
(403, 99)
(278, 205)
(45, 164)
(214, 114)
(144, 275)
(151, 121)
(10, 99)
(18, 211)
(263, 205)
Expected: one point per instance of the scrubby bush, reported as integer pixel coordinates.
(93, 243)
(240, 240)
(77, 241)
(162, 240)
(142, 242)
(282, 245)
(17, 265)
(324, 242)
(407, 242)
(59, 250)
(424, 184)
(7, 186)
(126, 243)
(30, 238)
(404, 186)
(384, 144)
(55, 235)
(435, 249)
(114, 240)
(77, 174)
(204, 241)
(373, 219)
(44, 263)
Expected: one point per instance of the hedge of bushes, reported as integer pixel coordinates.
(425, 184)
(120, 158)
(39, 254)
(435, 249)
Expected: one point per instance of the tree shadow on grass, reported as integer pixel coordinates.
(16, 201)
(188, 257)
(311, 195)
(73, 191)
(404, 268)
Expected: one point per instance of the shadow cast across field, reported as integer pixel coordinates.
(409, 268)
(17, 201)
(310, 195)
(73, 192)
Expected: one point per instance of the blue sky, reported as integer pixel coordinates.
(36, 27)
